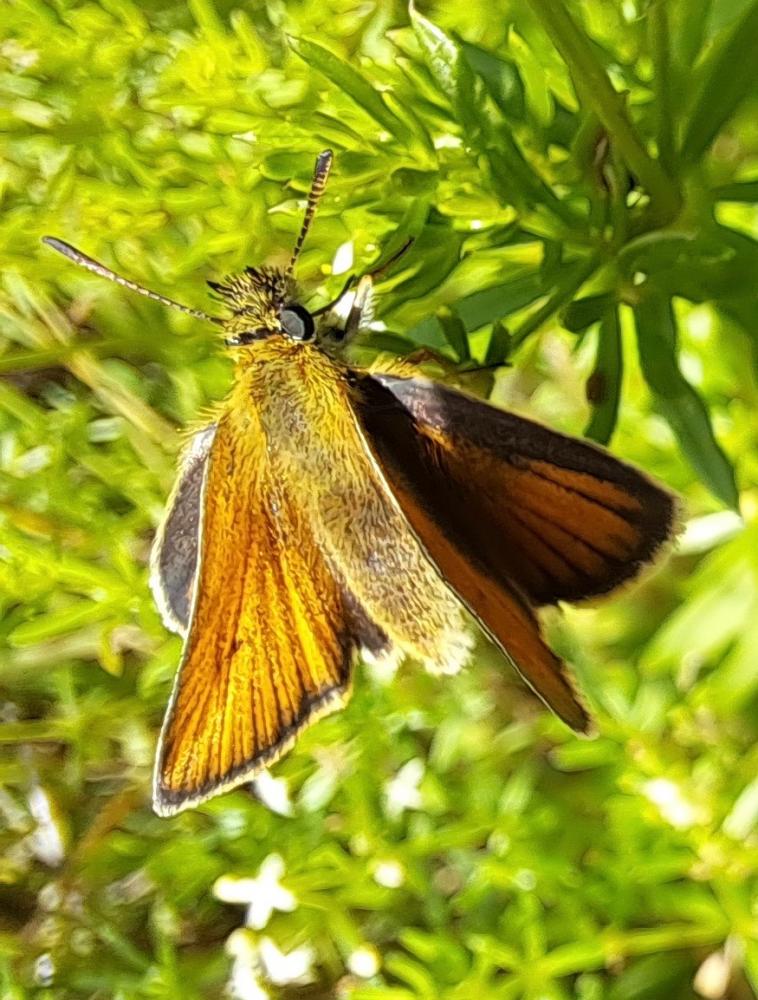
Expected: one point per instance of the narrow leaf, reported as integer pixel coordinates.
(59, 622)
(743, 191)
(353, 84)
(677, 401)
(512, 177)
(604, 384)
(729, 75)
(582, 313)
(454, 333)
(480, 308)
(499, 346)
(538, 97)
(500, 78)
(450, 70)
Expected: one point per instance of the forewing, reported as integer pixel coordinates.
(175, 550)
(271, 636)
(560, 517)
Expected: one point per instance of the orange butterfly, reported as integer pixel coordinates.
(328, 510)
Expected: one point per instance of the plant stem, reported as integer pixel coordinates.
(591, 79)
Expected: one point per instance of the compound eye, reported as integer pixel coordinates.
(297, 322)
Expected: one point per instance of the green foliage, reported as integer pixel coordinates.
(580, 182)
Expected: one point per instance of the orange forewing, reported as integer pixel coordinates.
(512, 514)
(271, 634)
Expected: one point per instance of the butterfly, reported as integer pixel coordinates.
(327, 511)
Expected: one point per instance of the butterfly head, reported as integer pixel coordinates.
(262, 304)
(262, 301)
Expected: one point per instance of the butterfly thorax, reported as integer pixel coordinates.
(293, 403)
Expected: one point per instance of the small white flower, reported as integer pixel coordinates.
(671, 803)
(714, 975)
(262, 894)
(33, 460)
(46, 841)
(343, 258)
(364, 962)
(273, 793)
(291, 967)
(390, 874)
(402, 792)
(44, 970)
(244, 980)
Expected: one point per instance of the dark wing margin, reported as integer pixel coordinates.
(174, 556)
(562, 518)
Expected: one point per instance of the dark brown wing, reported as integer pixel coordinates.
(560, 517)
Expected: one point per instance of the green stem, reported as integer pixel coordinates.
(563, 294)
(35, 360)
(562, 961)
(35, 731)
(658, 25)
(595, 87)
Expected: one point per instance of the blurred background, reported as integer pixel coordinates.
(581, 182)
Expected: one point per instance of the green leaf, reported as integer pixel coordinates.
(539, 99)
(410, 227)
(353, 84)
(59, 622)
(728, 76)
(580, 314)
(512, 177)
(393, 343)
(677, 401)
(699, 265)
(480, 308)
(441, 54)
(454, 333)
(744, 191)
(450, 70)
(604, 384)
(500, 77)
(499, 346)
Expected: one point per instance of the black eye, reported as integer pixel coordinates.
(297, 322)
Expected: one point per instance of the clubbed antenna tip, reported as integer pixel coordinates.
(320, 175)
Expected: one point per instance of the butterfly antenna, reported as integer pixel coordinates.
(105, 272)
(320, 175)
(382, 269)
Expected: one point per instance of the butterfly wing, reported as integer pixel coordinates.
(271, 637)
(512, 514)
(562, 518)
(175, 550)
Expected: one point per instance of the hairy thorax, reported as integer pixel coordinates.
(297, 399)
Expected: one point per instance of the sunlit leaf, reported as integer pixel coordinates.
(677, 400)
(726, 79)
